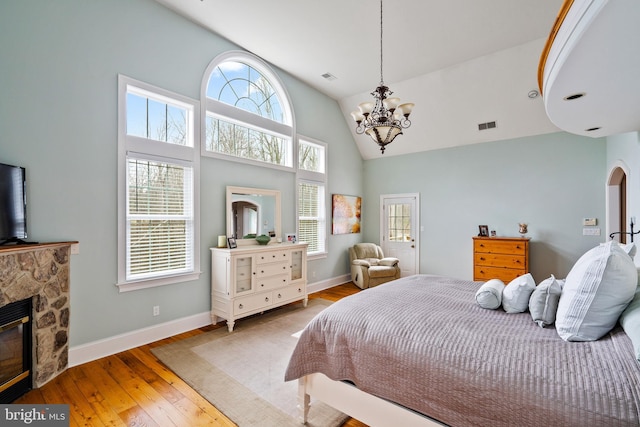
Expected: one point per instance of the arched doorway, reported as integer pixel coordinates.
(617, 204)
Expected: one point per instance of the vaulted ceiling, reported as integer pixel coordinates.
(462, 62)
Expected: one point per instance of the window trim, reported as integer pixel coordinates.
(225, 112)
(148, 149)
(317, 178)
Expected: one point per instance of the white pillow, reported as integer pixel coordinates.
(629, 248)
(515, 298)
(490, 294)
(597, 289)
(543, 303)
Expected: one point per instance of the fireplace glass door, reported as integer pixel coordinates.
(15, 350)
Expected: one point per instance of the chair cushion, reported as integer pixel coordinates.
(366, 250)
(381, 271)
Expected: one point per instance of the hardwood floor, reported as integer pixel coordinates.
(134, 389)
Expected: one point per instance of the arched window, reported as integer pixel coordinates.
(246, 110)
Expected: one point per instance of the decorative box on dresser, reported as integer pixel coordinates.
(503, 258)
(251, 279)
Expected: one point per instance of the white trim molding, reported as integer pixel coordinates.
(97, 349)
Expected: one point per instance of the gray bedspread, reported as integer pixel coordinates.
(423, 343)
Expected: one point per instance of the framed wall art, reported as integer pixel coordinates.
(346, 214)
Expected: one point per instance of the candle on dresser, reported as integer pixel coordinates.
(222, 241)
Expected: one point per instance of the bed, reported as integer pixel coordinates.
(420, 351)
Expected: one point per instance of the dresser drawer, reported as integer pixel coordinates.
(272, 282)
(500, 260)
(265, 270)
(484, 273)
(274, 256)
(251, 303)
(289, 293)
(499, 247)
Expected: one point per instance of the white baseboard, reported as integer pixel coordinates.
(105, 347)
(329, 283)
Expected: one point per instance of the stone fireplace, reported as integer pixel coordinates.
(40, 272)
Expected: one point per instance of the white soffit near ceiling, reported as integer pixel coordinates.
(595, 54)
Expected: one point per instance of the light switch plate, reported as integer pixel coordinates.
(591, 231)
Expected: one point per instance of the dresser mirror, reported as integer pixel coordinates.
(252, 212)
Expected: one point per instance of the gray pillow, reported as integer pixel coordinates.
(543, 303)
(515, 298)
(490, 294)
(630, 321)
(598, 288)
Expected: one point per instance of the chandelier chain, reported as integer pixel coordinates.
(381, 79)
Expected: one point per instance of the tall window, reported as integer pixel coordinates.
(158, 175)
(247, 111)
(312, 224)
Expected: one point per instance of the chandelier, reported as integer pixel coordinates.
(384, 118)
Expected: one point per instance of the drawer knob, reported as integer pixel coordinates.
(279, 295)
(240, 306)
(299, 290)
(266, 299)
(262, 285)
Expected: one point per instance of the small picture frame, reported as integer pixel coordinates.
(292, 238)
(232, 243)
(484, 230)
(493, 233)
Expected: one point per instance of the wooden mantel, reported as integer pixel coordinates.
(4, 249)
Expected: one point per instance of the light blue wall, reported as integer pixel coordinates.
(549, 181)
(59, 62)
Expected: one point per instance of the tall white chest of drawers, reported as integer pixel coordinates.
(251, 279)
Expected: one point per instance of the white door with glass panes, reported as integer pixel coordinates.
(399, 230)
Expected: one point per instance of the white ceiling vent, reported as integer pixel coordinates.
(329, 76)
(485, 126)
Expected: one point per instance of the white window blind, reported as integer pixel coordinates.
(311, 222)
(160, 222)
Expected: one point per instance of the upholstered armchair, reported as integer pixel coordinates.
(369, 266)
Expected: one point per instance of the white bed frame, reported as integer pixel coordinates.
(367, 408)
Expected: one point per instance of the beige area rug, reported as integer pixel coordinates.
(242, 373)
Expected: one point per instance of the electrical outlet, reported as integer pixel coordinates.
(75, 248)
(156, 310)
(591, 231)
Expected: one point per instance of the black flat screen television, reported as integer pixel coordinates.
(13, 204)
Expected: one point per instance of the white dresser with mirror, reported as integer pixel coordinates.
(253, 278)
